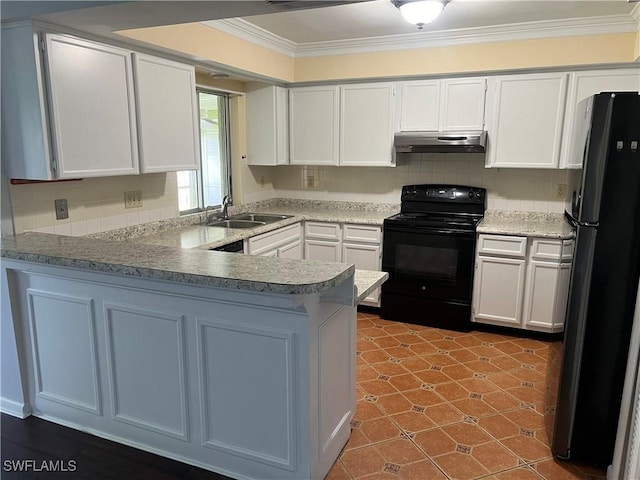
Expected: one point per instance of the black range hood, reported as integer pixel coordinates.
(438, 142)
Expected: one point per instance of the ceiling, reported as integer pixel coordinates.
(379, 18)
(335, 21)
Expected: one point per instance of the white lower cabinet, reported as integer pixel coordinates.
(347, 243)
(291, 250)
(499, 290)
(322, 250)
(285, 242)
(366, 257)
(522, 282)
(323, 241)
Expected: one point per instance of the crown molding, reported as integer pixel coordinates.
(635, 14)
(252, 33)
(601, 25)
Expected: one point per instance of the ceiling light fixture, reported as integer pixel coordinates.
(420, 12)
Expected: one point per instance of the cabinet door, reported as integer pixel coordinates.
(581, 86)
(499, 290)
(462, 104)
(366, 125)
(365, 257)
(314, 133)
(92, 109)
(525, 130)
(322, 251)
(541, 296)
(420, 106)
(267, 125)
(291, 250)
(168, 130)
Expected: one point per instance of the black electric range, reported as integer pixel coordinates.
(428, 251)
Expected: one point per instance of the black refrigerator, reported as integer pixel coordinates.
(604, 280)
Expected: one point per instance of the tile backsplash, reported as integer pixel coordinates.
(508, 189)
(95, 204)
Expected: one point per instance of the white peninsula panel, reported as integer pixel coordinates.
(203, 358)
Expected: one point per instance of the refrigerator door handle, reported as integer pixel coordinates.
(575, 223)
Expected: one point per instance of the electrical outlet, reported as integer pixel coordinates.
(562, 190)
(133, 199)
(62, 210)
(310, 181)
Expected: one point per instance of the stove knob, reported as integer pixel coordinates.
(470, 195)
(478, 195)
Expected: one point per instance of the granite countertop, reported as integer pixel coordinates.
(203, 237)
(191, 266)
(526, 224)
(151, 251)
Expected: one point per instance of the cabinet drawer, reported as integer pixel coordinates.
(274, 239)
(546, 249)
(362, 233)
(322, 231)
(502, 245)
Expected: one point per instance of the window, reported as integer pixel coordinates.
(207, 187)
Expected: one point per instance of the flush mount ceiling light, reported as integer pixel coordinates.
(420, 12)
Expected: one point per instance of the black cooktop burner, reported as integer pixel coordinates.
(440, 207)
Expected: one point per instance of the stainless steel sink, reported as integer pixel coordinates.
(235, 223)
(260, 217)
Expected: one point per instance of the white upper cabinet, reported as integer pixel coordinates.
(420, 105)
(92, 108)
(25, 144)
(526, 120)
(442, 105)
(267, 125)
(314, 125)
(583, 85)
(168, 115)
(85, 109)
(366, 125)
(462, 104)
(341, 125)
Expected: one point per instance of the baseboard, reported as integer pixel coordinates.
(15, 409)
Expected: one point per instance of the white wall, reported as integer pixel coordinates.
(508, 189)
(95, 204)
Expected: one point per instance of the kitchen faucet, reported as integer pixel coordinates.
(225, 206)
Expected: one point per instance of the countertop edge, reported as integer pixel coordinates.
(132, 269)
(366, 281)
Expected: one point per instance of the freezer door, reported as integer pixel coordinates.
(575, 324)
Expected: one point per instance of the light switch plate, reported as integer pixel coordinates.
(133, 199)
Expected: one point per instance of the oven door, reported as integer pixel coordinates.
(429, 263)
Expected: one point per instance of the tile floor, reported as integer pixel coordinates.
(435, 404)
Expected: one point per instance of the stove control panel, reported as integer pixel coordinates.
(444, 193)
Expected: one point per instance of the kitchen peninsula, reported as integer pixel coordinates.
(239, 364)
